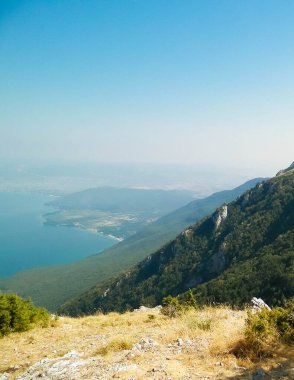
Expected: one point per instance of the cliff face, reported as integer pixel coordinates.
(220, 215)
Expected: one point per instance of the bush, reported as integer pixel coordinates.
(265, 330)
(190, 300)
(17, 314)
(272, 324)
(171, 307)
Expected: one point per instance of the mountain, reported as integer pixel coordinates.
(124, 200)
(52, 286)
(291, 167)
(116, 212)
(244, 249)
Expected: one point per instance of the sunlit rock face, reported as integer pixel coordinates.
(220, 215)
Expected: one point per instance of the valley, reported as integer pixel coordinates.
(191, 334)
(218, 258)
(77, 277)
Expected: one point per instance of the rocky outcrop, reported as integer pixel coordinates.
(188, 233)
(220, 215)
(258, 304)
(64, 367)
(148, 309)
(145, 344)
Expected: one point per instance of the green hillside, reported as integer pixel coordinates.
(244, 249)
(52, 286)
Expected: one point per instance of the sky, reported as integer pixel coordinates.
(207, 82)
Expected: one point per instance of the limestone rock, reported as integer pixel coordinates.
(180, 342)
(145, 343)
(220, 215)
(258, 304)
(146, 309)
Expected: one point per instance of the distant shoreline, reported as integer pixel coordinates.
(82, 228)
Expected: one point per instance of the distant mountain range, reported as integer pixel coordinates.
(52, 286)
(116, 212)
(243, 249)
(125, 200)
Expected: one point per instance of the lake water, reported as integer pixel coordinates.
(26, 243)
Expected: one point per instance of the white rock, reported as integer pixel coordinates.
(137, 347)
(142, 308)
(220, 215)
(145, 343)
(71, 354)
(258, 304)
(123, 367)
(180, 342)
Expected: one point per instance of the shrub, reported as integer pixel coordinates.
(17, 314)
(265, 330)
(171, 307)
(190, 300)
(272, 324)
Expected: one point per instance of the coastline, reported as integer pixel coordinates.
(80, 227)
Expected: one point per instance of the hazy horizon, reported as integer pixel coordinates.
(60, 177)
(199, 83)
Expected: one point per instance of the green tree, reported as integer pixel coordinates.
(17, 314)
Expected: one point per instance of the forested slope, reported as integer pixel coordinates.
(52, 286)
(244, 249)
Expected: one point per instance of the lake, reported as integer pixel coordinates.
(25, 242)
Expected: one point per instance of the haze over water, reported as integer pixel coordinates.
(26, 243)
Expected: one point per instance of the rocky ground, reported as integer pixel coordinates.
(136, 346)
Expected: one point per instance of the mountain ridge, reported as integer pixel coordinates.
(258, 227)
(75, 278)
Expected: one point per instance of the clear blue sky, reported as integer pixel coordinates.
(165, 81)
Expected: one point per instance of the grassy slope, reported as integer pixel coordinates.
(104, 342)
(54, 285)
(250, 254)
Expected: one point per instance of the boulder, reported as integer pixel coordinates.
(258, 304)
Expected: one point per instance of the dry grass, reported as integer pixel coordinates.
(208, 338)
(115, 345)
